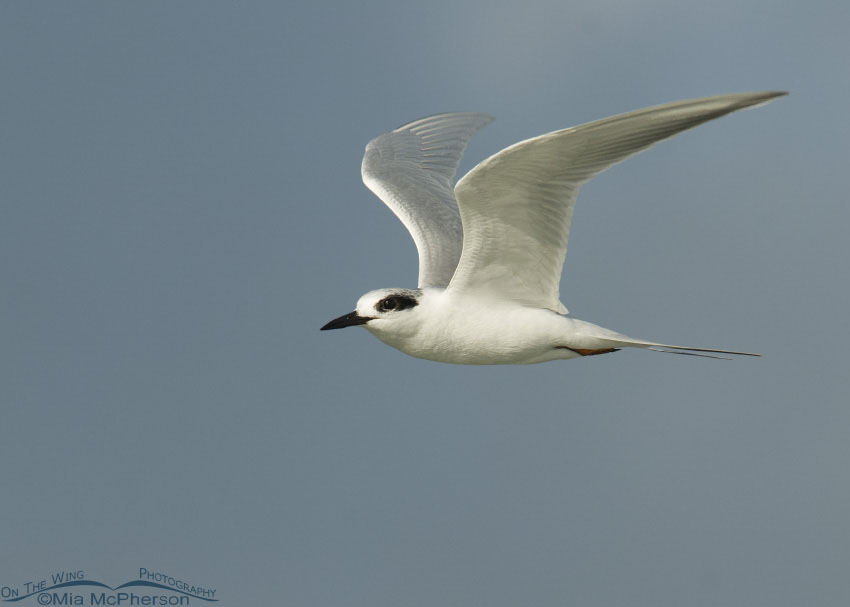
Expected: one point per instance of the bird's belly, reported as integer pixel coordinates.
(482, 339)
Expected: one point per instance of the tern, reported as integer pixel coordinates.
(492, 247)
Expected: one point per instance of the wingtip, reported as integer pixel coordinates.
(759, 99)
(475, 120)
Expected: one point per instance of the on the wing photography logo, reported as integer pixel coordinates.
(74, 588)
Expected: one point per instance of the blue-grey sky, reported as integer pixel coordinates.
(182, 210)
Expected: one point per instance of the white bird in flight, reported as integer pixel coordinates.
(491, 249)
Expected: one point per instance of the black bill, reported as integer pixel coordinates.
(349, 320)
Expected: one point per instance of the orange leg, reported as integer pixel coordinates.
(586, 352)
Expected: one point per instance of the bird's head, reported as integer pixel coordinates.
(382, 310)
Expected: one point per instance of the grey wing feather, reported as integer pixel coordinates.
(412, 170)
(516, 206)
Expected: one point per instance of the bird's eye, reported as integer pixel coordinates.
(388, 304)
(396, 303)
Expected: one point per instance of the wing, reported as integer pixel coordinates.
(412, 170)
(516, 205)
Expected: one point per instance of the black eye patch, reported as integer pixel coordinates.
(395, 302)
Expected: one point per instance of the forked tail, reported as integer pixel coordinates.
(684, 350)
(699, 352)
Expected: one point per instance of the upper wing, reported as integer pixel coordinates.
(412, 170)
(516, 205)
